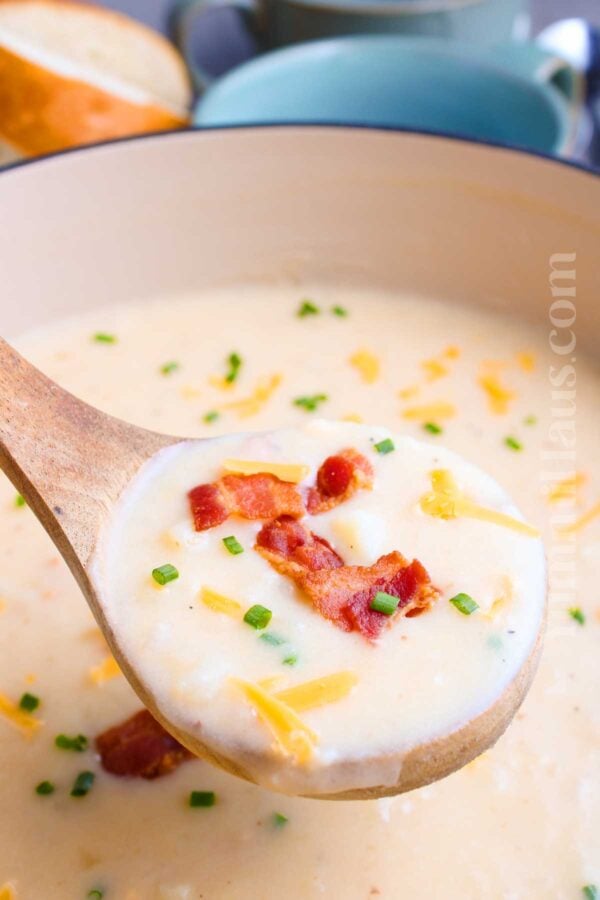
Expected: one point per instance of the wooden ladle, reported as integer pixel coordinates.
(71, 462)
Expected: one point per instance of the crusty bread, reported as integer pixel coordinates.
(74, 74)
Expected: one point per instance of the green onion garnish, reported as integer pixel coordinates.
(384, 603)
(339, 311)
(164, 574)
(202, 798)
(233, 545)
(29, 702)
(576, 613)
(290, 660)
(464, 604)
(211, 416)
(513, 443)
(82, 784)
(95, 894)
(311, 401)
(258, 616)
(591, 892)
(385, 446)
(432, 428)
(44, 788)
(101, 337)
(169, 367)
(307, 308)
(273, 639)
(20, 501)
(279, 820)
(530, 420)
(234, 361)
(78, 743)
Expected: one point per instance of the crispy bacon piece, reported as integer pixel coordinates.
(260, 496)
(140, 748)
(343, 593)
(294, 550)
(338, 478)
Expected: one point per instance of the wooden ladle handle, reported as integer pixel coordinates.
(69, 460)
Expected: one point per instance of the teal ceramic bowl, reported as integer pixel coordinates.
(515, 95)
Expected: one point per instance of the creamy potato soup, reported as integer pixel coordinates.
(88, 810)
(303, 604)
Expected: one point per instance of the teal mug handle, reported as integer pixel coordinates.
(181, 21)
(537, 64)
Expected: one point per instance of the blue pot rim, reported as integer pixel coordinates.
(560, 162)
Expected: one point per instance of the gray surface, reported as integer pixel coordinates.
(544, 11)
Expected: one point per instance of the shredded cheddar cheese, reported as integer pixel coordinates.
(434, 369)
(220, 382)
(291, 472)
(251, 405)
(367, 365)
(8, 892)
(446, 501)
(292, 736)
(409, 392)
(502, 600)
(567, 488)
(20, 719)
(319, 692)
(499, 397)
(430, 411)
(526, 360)
(582, 521)
(452, 352)
(353, 417)
(220, 603)
(105, 671)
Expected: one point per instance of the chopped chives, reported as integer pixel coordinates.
(258, 616)
(513, 443)
(211, 416)
(432, 428)
(464, 604)
(273, 639)
(82, 784)
(307, 308)
(163, 574)
(530, 420)
(29, 702)
(234, 361)
(591, 892)
(78, 743)
(385, 446)
(577, 614)
(384, 603)
(233, 545)
(310, 402)
(20, 501)
(102, 337)
(279, 820)
(202, 799)
(95, 894)
(290, 660)
(169, 367)
(340, 311)
(44, 788)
